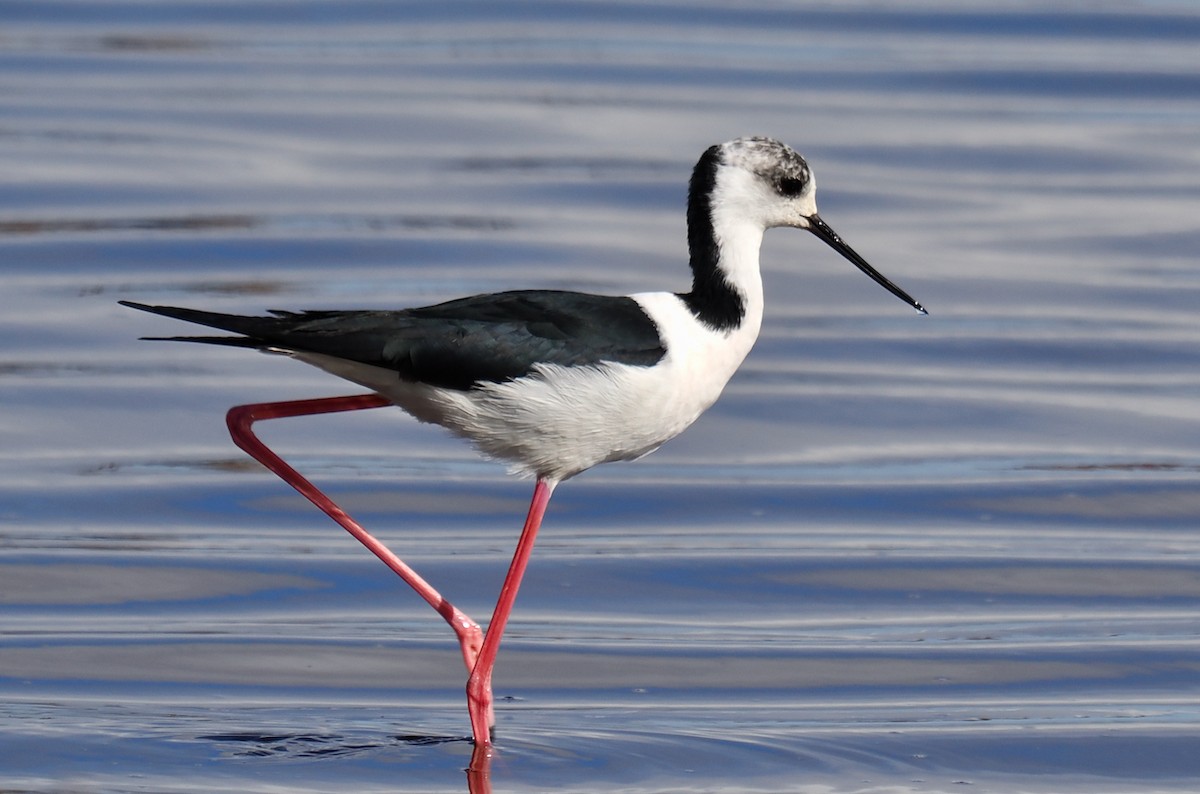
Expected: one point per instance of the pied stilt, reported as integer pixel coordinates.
(551, 382)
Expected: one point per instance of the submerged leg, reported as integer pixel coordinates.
(240, 419)
(479, 685)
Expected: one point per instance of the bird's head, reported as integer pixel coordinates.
(767, 183)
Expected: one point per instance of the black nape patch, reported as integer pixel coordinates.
(712, 300)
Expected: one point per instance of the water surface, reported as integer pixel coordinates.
(902, 553)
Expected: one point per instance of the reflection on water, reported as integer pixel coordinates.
(196, 223)
(898, 555)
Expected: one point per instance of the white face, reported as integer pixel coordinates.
(765, 181)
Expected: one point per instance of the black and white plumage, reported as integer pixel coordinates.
(557, 382)
(552, 382)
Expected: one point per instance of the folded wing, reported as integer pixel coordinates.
(483, 338)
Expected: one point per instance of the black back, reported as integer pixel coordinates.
(483, 338)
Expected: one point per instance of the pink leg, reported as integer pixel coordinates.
(479, 685)
(240, 418)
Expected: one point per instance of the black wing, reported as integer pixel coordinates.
(456, 344)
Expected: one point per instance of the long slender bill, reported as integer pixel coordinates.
(821, 229)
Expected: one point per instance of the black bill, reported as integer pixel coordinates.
(821, 229)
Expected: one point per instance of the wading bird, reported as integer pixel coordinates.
(551, 382)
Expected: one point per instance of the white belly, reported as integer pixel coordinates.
(559, 421)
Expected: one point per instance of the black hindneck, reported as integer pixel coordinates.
(713, 300)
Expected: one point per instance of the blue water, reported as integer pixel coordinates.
(938, 554)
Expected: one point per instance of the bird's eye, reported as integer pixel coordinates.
(790, 186)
